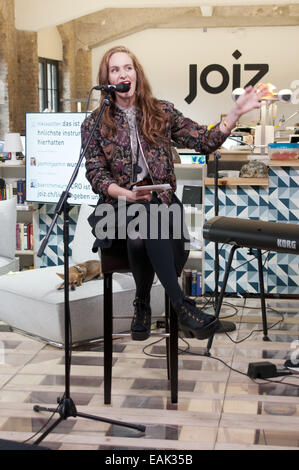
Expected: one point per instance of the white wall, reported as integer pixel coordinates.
(166, 55)
(49, 44)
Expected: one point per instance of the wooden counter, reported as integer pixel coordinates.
(238, 181)
(237, 155)
(284, 163)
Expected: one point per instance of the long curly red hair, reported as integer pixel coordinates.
(153, 118)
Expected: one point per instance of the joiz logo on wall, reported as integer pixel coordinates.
(261, 70)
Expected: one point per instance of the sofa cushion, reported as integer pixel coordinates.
(8, 222)
(8, 264)
(30, 302)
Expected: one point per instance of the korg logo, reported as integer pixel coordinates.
(291, 244)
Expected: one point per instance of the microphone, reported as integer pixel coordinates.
(120, 87)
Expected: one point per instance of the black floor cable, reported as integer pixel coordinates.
(43, 426)
(187, 350)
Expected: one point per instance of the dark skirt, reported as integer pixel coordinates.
(120, 220)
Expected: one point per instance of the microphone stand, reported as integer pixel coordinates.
(66, 406)
(216, 209)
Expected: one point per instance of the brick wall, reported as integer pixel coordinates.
(19, 60)
(75, 69)
(7, 62)
(18, 72)
(27, 84)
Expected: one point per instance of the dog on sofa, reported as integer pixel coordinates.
(82, 272)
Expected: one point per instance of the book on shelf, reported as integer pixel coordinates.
(2, 189)
(30, 237)
(24, 236)
(199, 284)
(2, 194)
(10, 187)
(187, 281)
(192, 283)
(21, 189)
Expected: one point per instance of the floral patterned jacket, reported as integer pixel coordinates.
(109, 160)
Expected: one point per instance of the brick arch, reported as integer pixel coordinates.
(81, 35)
(111, 24)
(18, 72)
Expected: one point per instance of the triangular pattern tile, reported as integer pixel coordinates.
(278, 203)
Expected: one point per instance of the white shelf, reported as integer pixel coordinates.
(3, 165)
(179, 166)
(25, 207)
(26, 212)
(25, 252)
(194, 254)
(192, 174)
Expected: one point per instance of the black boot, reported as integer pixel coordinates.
(193, 322)
(141, 323)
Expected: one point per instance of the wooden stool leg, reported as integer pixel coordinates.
(167, 309)
(173, 354)
(171, 327)
(108, 330)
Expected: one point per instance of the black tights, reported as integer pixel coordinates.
(150, 256)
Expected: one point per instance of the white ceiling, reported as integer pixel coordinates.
(36, 15)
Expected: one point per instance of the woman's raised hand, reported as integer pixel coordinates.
(251, 99)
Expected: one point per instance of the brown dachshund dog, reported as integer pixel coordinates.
(82, 272)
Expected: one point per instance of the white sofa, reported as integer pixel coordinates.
(31, 303)
(8, 220)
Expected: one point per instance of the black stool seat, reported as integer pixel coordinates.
(115, 259)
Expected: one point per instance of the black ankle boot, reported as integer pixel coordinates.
(141, 323)
(193, 322)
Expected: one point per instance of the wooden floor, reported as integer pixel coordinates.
(219, 406)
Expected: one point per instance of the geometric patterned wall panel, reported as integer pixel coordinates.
(247, 202)
(283, 272)
(54, 251)
(284, 194)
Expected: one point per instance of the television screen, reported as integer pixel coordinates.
(192, 158)
(53, 142)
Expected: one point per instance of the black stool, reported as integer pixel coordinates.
(115, 259)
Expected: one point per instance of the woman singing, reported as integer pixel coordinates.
(132, 146)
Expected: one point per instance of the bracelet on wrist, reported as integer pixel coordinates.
(226, 125)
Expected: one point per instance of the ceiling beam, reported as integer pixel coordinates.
(36, 15)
